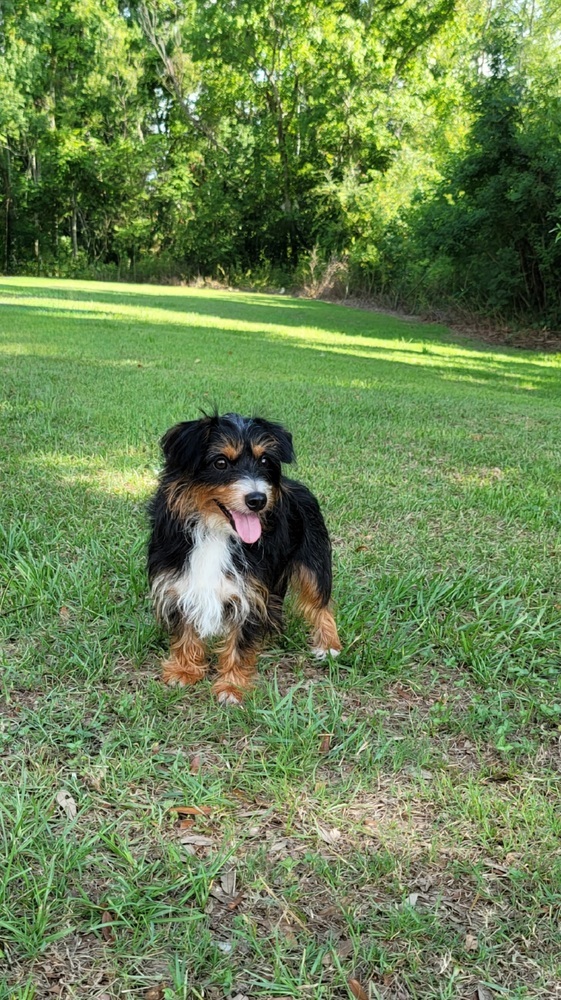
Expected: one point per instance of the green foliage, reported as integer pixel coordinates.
(487, 234)
(416, 141)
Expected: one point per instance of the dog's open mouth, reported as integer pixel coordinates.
(248, 526)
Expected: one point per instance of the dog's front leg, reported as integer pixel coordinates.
(187, 661)
(237, 659)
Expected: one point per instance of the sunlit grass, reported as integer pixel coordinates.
(430, 746)
(400, 347)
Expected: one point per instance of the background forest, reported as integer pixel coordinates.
(408, 149)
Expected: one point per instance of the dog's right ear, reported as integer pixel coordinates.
(184, 445)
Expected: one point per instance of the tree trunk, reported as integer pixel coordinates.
(74, 226)
(36, 244)
(8, 215)
(275, 106)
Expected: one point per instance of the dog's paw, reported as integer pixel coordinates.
(175, 681)
(321, 654)
(175, 676)
(229, 696)
(179, 680)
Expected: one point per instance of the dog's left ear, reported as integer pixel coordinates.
(281, 437)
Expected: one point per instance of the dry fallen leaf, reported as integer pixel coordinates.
(247, 813)
(357, 990)
(94, 781)
(289, 937)
(67, 803)
(482, 993)
(325, 743)
(186, 824)
(372, 827)
(191, 810)
(106, 929)
(224, 946)
(241, 795)
(470, 943)
(344, 949)
(500, 870)
(228, 881)
(328, 836)
(234, 903)
(197, 839)
(155, 993)
(195, 766)
(225, 891)
(278, 847)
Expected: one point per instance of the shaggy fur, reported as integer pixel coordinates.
(229, 534)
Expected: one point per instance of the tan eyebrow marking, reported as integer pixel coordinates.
(231, 451)
(263, 446)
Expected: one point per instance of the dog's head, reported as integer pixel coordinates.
(226, 470)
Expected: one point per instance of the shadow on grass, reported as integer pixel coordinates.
(347, 361)
(256, 308)
(225, 305)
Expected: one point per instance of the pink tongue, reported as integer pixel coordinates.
(248, 526)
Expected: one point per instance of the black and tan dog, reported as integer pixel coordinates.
(229, 534)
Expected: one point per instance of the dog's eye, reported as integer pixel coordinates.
(220, 463)
(263, 460)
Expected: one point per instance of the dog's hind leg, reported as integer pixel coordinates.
(237, 664)
(313, 603)
(187, 661)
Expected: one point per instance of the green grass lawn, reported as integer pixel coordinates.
(389, 823)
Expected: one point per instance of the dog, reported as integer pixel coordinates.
(229, 533)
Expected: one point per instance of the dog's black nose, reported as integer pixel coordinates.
(255, 501)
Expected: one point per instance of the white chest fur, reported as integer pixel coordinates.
(210, 584)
